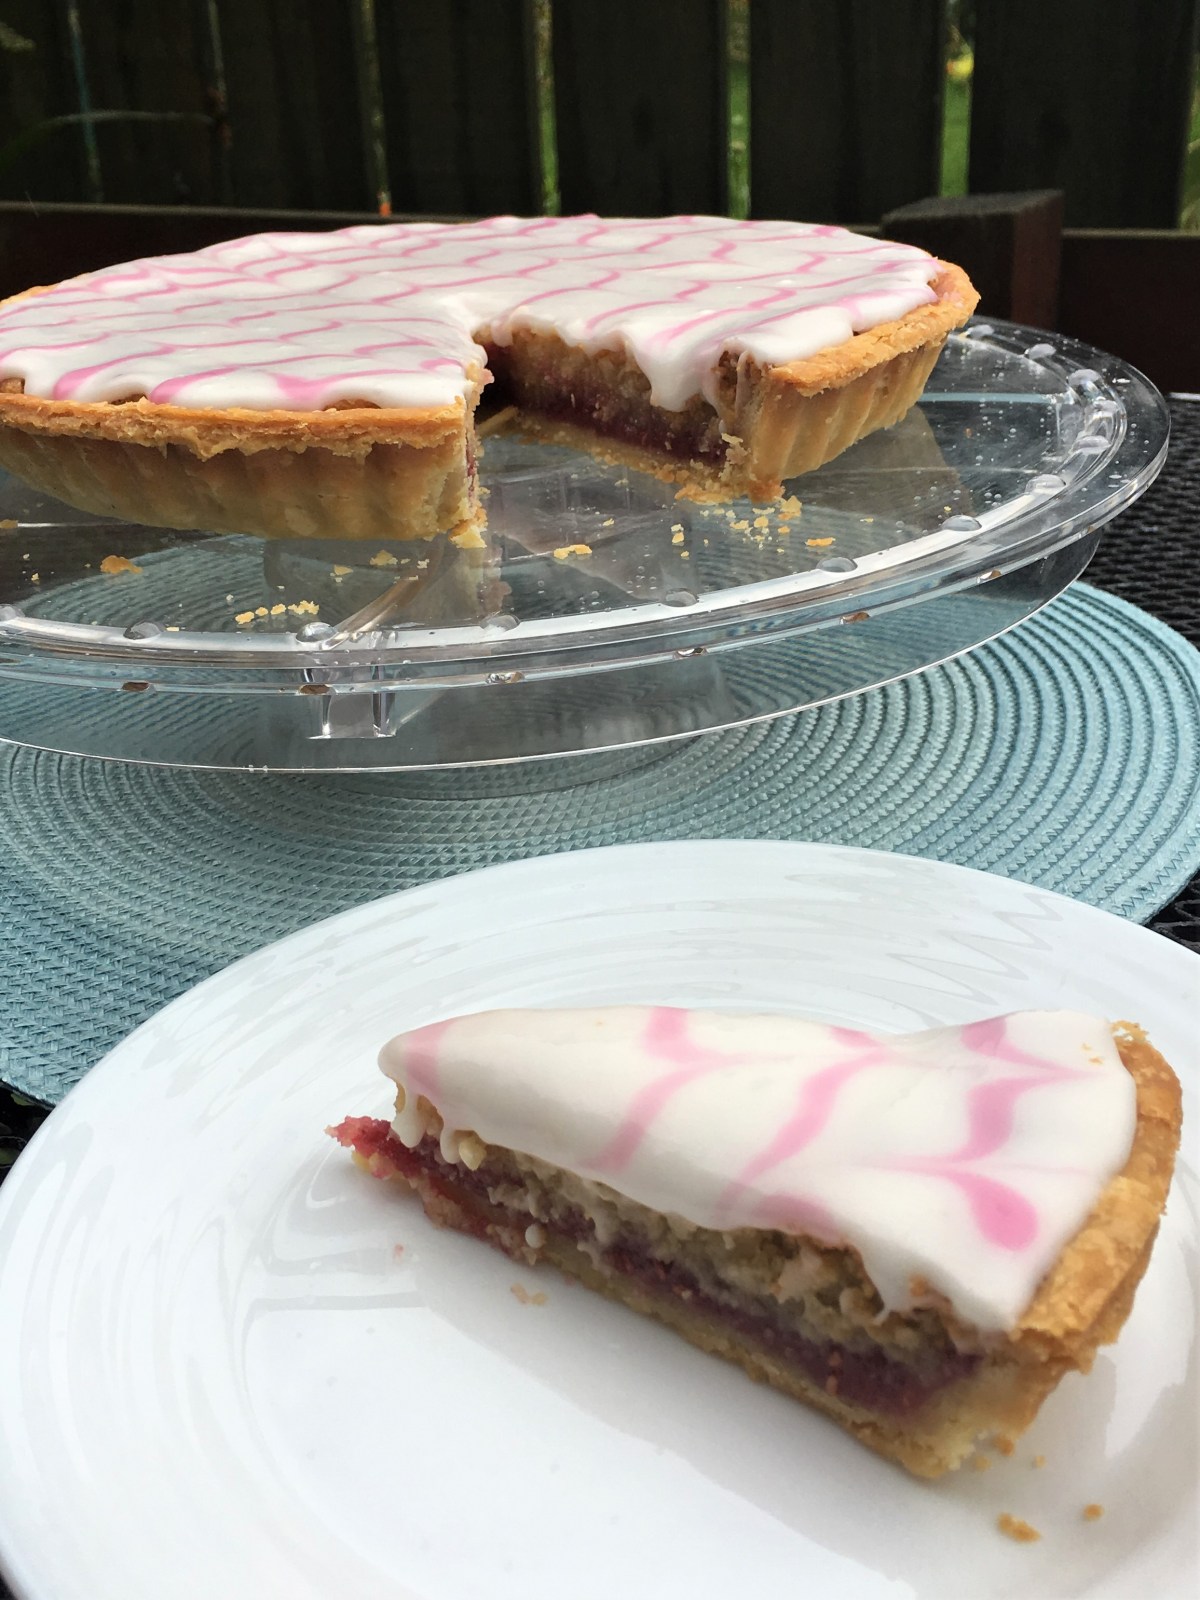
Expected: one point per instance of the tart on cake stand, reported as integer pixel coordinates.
(599, 611)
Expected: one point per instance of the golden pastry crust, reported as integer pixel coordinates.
(356, 471)
(957, 298)
(337, 485)
(1084, 1300)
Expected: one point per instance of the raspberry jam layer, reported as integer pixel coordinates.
(861, 1374)
(580, 398)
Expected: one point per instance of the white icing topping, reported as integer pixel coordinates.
(966, 1157)
(391, 314)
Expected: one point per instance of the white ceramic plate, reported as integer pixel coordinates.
(223, 1380)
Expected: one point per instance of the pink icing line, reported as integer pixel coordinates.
(422, 1049)
(665, 1037)
(1004, 1217)
(818, 1096)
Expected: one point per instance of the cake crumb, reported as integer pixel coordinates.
(114, 564)
(521, 1293)
(472, 1151)
(608, 522)
(35, 577)
(1039, 1461)
(1093, 1512)
(535, 1236)
(1004, 1444)
(980, 1463)
(468, 539)
(818, 544)
(305, 608)
(341, 572)
(566, 550)
(677, 536)
(278, 610)
(790, 507)
(261, 611)
(9, 522)
(1016, 1528)
(383, 558)
(762, 522)
(244, 616)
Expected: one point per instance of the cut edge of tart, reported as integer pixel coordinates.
(354, 469)
(924, 1387)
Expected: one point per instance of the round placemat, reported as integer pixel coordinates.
(1066, 754)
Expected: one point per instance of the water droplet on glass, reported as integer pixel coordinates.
(10, 613)
(503, 620)
(980, 330)
(962, 524)
(836, 564)
(1091, 444)
(679, 597)
(1039, 352)
(1046, 483)
(143, 630)
(504, 677)
(1084, 375)
(314, 632)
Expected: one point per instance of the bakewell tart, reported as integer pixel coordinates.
(918, 1234)
(327, 384)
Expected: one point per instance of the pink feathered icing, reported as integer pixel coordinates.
(394, 314)
(963, 1158)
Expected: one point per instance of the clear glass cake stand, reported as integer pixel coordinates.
(603, 613)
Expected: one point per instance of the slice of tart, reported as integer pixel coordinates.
(917, 1234)
(326, 385)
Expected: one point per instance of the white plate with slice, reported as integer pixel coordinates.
(235, 1366)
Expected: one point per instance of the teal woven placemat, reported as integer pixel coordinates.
(1066, 754)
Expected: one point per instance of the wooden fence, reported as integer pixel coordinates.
(827, 110)
(459, 106)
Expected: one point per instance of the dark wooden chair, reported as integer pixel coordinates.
(129, 127)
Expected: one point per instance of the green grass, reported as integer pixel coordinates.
(956, 135)
(739, 137)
